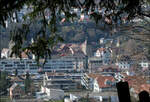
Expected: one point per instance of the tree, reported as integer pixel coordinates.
(4, 83)
(110, 12)
(27, 82)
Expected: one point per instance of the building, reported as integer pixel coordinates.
(54, 94)
(104, 83)
(123, 65)
(98, 83)
(87, 80)
(110, 70)
(4, 53)
(16, 91)
(144, 64)
(30, 65)
(59, 81)
(104, 54)
(103, 41)
(94, 63)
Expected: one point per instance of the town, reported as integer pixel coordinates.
(79, 61)
(70, 74)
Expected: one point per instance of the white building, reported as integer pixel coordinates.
(144, 64)
(59, 81)
(4, 53)
(98, 83)
(52, 65)
(87, 80)
(104, 83)
(105, 54)
(124, 65)
(55, 94)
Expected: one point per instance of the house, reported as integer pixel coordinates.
(98, 82)
(104, 83)
(105, 54)
(16, 91)
(144, 65)
(87, 80)
(100, 52)
(5, 53)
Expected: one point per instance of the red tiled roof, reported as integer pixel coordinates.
(138, 83)
(24, 55)
(94, 75)
(103, 79)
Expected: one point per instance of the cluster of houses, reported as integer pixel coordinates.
(70, 68)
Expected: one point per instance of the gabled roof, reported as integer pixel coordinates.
(5, 50)
(102, 80)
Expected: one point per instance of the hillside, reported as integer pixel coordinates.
(78, 32)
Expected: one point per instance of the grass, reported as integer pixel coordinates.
(4, 99)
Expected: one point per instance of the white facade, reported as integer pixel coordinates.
(96, 87)
(144, 64)
(87, 82)
(123, 65)
(104, 54)
(4, 53)
(102, 41)
(99, 53)
(59, 81)
(56, 94)
(52, 65)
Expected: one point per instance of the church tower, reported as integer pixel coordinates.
(84, 47)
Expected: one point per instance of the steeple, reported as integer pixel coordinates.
(118, 43)
(84, 47)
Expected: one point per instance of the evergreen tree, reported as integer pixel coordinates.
(4, 82)
(27, 82)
